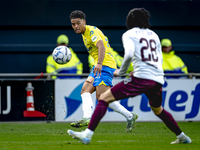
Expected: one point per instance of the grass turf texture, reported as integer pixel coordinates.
(111, 136)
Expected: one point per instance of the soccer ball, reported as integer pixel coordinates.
(61, 54)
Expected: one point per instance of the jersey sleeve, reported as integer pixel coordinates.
(129, 48)
(95, 37)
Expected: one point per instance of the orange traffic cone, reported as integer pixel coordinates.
(30, 108)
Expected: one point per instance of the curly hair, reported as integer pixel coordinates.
(77, 14)
(138, 17)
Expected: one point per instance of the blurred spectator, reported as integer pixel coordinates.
(74, 66)
(117, 58)
(171, 62)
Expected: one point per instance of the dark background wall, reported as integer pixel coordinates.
(29, 29)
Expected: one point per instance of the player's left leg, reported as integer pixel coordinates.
(155, 100)
(168, 119)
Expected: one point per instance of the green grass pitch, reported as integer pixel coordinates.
(108, 136)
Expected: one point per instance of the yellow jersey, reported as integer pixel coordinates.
(90, 38)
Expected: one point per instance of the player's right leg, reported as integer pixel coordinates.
(84, 136)
(117, 107)
(103, 84)
(87, 103)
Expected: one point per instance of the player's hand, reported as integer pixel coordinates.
(131, 73)
(115, 73)
(97, 69)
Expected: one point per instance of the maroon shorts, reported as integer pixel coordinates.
(134, 86)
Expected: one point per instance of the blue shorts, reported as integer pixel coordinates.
(105, 77)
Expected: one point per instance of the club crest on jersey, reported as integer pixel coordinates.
(94, 38)
(91, 32)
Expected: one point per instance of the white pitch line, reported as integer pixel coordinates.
(129, 141)
(23, 142)
(76, 141)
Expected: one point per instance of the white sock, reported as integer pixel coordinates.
(180, 135)
(87, 105)
(117, 107)
(89, 133)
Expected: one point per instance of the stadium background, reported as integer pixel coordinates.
(29, 28)
(28, 31)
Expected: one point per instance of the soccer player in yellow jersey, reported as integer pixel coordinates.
(100, 78)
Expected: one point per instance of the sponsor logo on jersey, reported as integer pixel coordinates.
(94, 38)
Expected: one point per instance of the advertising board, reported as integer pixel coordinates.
(180, 97)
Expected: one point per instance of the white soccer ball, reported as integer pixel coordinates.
(61, 54)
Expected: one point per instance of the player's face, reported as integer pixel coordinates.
(78, 25)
